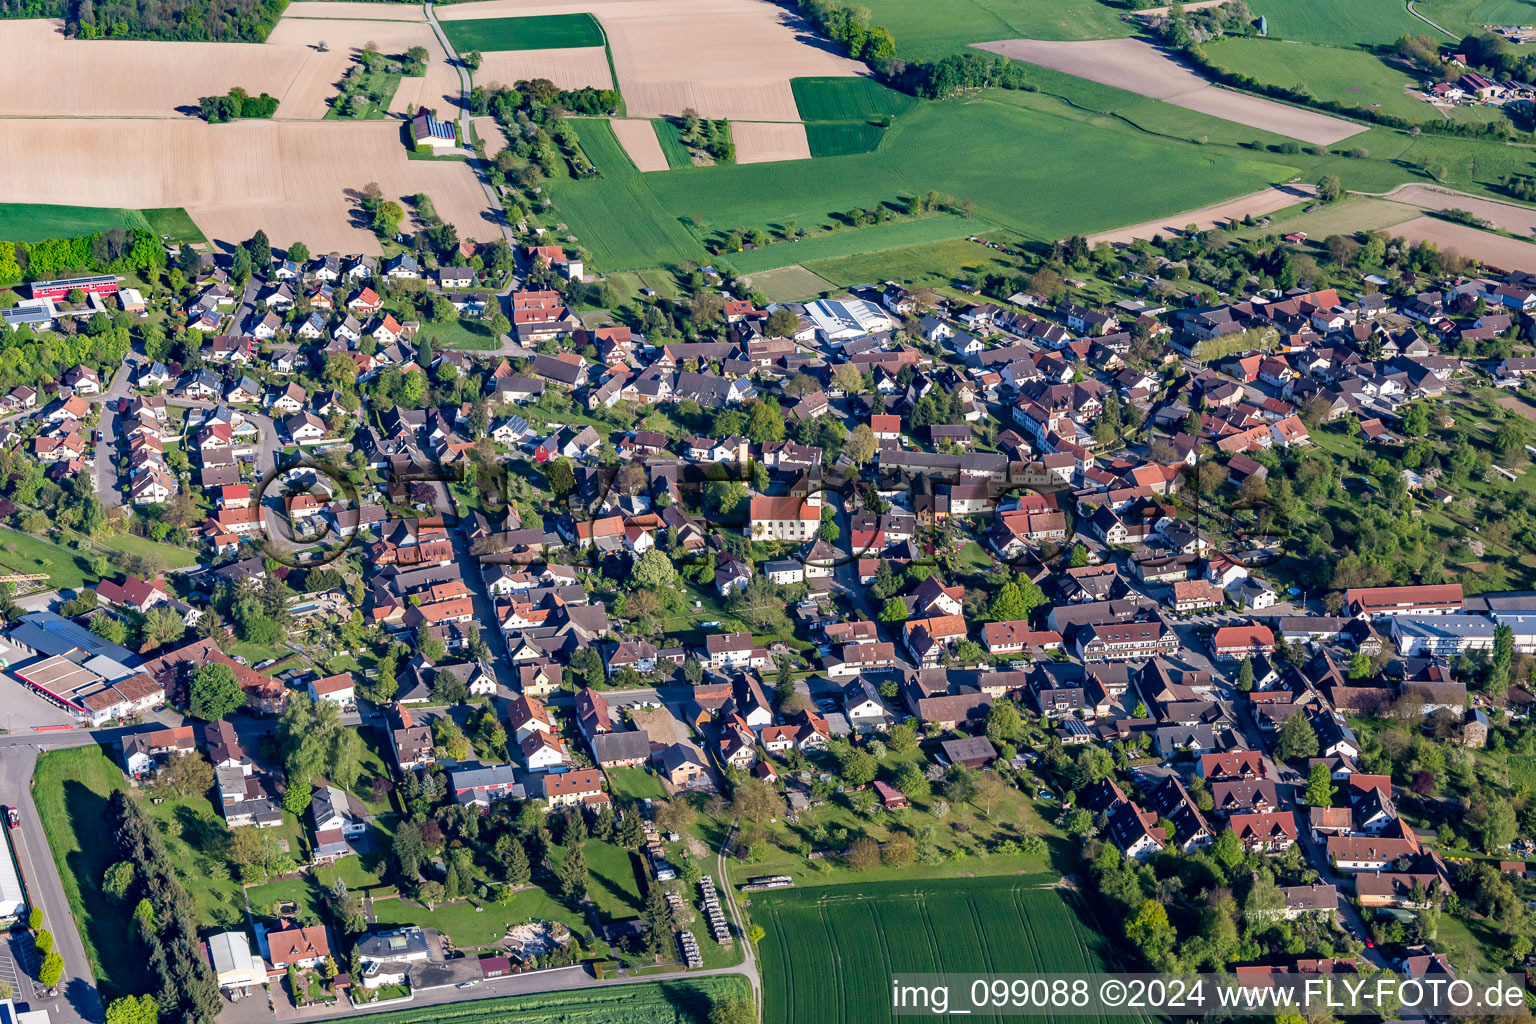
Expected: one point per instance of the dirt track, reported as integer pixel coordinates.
(574, 68)
(724, 58)
(1255, 204)
(295, 180)
(1139, 67)
(638, 137)
(1496, 250)
(759, 142)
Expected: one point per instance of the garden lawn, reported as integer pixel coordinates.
(635, 784)
(470, 928)
(924, 32)
(681, 1001)
(172, 556)
(1347, 76)
(536, 32)
(847, 99)
(461, 333)
(830, 956)
(611, 879)
(1370, 22)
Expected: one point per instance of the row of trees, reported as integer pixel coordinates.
(116, 251)
(235, 104)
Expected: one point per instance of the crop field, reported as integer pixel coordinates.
(829, 953)
(845, 139)
(640, 142)
(572, 68)
(920, 35)
(1349, 76)
(671, 138)
(686, 1001)
(724, 58)
(535, 32)
(759, 142)
(1143, 68)
(33, 222)
(930, 265)
(847, 99)
(630, 221)
(295, 180)
(1373, 22)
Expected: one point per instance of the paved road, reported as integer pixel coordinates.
(78, 999)
(106, 444)
(482, 171)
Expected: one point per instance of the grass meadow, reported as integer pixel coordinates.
(1370, 22)
(630, 221)
(536, 32)
(33, 222)
(671, 139)
(829, 954)
(892, 235)
(923, 35)
(1349, 76)
(791, 284)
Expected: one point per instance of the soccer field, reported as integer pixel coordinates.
(829, 953)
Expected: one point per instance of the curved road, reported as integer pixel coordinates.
(475, 162)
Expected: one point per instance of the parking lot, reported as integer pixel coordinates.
(18, 966)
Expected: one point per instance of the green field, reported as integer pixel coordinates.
(634, 221)
(848, 138)
(791, 284)
(32, 222)
(635, 784)
(671, 139)
(1348, 76)
(25, 554)
(925, 33)
(829, 954)
(1373, 22)
(893, 235)
(847, 99)
(175, 223)
(686, 1001)
(536, 32)
(610, 879)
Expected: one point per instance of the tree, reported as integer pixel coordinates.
(162, 626)
(858, 768)
(902, 738)
(1319, 786)
(1328, 188)
(472, 60)
(35, 918)
(43, 941)
(51, 970)
(863, 854)
(112, 630)
(755, 802)
(573, 874)
(860, 446)
(733, 1011)
(215, 692)
(895, 610)
(766, 423)
(117, 881)
(184, 776)
(561, 478)
(1499, 827)
(847, 377)
(1297, 739)
(1079, 556)
(1014, 601)
(1003, 722)
(653, 571)
(1245, 675)
(1227, 849)
(781, 324)
(133, 1010)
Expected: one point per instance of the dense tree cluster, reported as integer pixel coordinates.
(165, 921)
(235, 104)
(116, 251)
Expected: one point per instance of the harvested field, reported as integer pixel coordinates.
(724, 58)
(573, 68)
(638, 137)
(761, 142)
(1142, 68)
(113, 78)
(353, 12)
(491, 134)
(294, 180)
(1255, 204)
(1511, 217)
(1491, 249)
